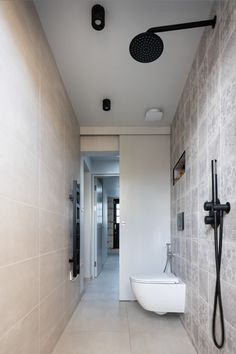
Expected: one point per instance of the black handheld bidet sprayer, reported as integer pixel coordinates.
(215, 219)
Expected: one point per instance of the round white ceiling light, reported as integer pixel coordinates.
(153, 115)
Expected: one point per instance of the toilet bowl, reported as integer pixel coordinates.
(160, 293)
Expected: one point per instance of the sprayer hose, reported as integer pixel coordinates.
(217, 297)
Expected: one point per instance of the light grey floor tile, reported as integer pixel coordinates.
(99, 316)
(89, 342)
(162, 342)
(146, 321)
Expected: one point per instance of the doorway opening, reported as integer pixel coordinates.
(106, 220)
(102, 219)
(113, 225)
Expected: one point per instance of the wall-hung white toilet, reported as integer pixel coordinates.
(160, 293)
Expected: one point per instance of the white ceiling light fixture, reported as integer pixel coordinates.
(153, 115)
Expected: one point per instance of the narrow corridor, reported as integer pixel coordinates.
(103, 325)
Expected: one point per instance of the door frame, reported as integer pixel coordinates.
(94, 226)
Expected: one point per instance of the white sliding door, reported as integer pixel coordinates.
(145, 206)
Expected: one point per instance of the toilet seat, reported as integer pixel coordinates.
(161, 278)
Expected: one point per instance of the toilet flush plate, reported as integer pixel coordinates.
(180, 221)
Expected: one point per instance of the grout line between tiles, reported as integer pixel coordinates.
(127, 313)
(18, 321)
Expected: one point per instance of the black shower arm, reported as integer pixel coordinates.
(181, 26)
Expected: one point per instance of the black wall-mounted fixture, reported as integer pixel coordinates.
(180, 221)
(215, 219)
(147, 46)
(106, 104)
(75, 260)
(98, 17)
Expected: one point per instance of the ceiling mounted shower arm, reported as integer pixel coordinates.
(182, 26)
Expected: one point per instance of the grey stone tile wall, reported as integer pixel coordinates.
(205, 127)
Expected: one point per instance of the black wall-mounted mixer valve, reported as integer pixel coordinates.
(215, 219)
(215, 208)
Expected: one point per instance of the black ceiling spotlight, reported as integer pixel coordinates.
(106, 104)
(148, 46)
(98, 17)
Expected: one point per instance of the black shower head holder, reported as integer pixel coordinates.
(148, 46)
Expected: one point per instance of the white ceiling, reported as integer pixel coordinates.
(95, 65)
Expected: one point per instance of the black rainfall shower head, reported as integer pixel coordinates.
(146, 47)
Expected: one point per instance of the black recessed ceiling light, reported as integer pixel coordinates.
(106, 104)
(98, 17)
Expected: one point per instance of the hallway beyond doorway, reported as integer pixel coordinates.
(103, 325)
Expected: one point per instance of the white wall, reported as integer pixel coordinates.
(85, 215)
(105, 166)
(110, 189)
(99, 143)
(145, 206)
(104, 223)
(87, 224)
(112, 186)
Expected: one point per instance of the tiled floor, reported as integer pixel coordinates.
(103, 325)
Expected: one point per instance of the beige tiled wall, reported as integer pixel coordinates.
(39, 158)
(205, 127)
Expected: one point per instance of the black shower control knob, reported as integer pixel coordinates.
(228, 207)
(222, 207)
(208, 206)
(209, 220)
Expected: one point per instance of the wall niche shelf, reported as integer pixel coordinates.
(179, 169)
